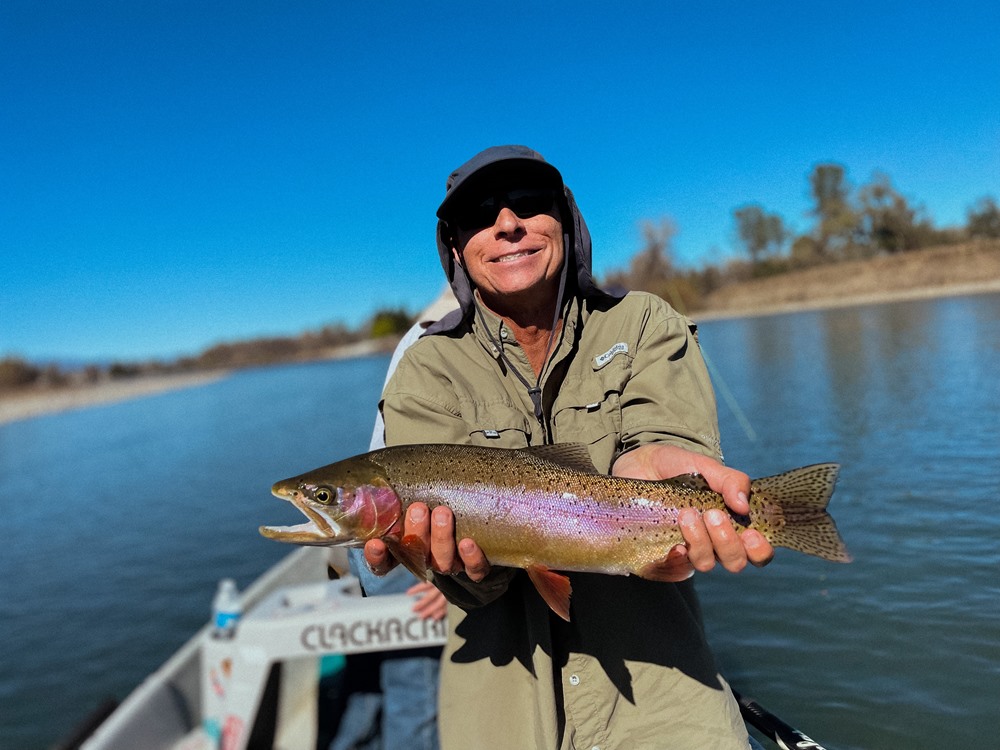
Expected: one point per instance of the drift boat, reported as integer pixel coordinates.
(261, 687)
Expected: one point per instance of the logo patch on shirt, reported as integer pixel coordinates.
(602, 359)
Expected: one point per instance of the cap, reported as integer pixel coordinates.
(497, 166)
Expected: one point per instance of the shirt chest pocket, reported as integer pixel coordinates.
(496, 424)
(588, 408)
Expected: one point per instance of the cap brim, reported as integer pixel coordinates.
(502, 174)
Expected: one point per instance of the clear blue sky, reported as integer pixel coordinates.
(174, 174)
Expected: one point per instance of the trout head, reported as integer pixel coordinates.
(347, 503)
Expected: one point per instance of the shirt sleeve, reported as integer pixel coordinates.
(418, 406)
(669, 398)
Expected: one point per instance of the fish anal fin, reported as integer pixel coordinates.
(672, 568)
(553, 587)
(572, 456)
(412, 553)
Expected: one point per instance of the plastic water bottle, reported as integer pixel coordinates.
(226, 609)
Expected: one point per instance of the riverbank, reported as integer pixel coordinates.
(972, 268)
(18, 406)
(951, 271)
(35, 403)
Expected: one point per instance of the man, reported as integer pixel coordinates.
(538, 354)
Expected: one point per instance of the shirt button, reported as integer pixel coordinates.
(574, 679)
(503, 333)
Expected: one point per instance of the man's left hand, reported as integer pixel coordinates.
(707, 537)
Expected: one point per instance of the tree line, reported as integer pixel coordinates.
(847, 224)
(17, 374)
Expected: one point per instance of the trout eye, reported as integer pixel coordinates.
(324, 495)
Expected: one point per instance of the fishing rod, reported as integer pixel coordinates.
(784, 736)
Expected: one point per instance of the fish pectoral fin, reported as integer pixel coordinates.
(553, 587)
(411, 552)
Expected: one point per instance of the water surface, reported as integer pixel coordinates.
(118, 521)
(901, 648)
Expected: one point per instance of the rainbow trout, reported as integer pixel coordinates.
(543, 509)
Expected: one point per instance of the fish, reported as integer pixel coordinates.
(544, 509)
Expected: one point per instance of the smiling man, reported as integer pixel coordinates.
(538, 354)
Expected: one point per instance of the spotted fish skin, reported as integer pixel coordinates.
(545, 506)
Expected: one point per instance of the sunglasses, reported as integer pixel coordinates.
(525, 202)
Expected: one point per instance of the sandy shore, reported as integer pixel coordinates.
(14, 408)
(17, 406)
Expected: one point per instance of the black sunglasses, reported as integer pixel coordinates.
(525, 202)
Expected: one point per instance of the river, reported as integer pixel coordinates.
(118, 521)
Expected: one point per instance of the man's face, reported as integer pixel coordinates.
(511, 244)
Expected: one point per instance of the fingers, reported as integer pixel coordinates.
(437, 532)
(701, 553)
(711, 537)
(474, 560)
(431, 604)
(735, 490)
(378, 558)
(432, 534)
(444, 556)
(759, 550)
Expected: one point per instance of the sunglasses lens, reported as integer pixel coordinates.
(526, 202)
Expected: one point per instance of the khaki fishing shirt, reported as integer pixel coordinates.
(632, 669)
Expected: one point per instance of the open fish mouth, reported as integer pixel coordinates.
(319, 529)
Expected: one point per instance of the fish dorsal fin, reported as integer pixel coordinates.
(694, 482)
(572, 456)
(554, 588)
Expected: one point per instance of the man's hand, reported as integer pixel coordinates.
(434, 535)
(707, 538)
(431, 604)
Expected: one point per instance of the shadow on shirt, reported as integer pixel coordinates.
(615, 619)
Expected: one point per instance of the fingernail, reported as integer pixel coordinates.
(439, 519)
(689, 517)
(417, 514)
(714, 517)
(743, 498)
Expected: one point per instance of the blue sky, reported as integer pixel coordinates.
(176, 174)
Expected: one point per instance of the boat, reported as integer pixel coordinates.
(260, 684)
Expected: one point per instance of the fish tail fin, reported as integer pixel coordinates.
(553, 587)
(800, 521)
